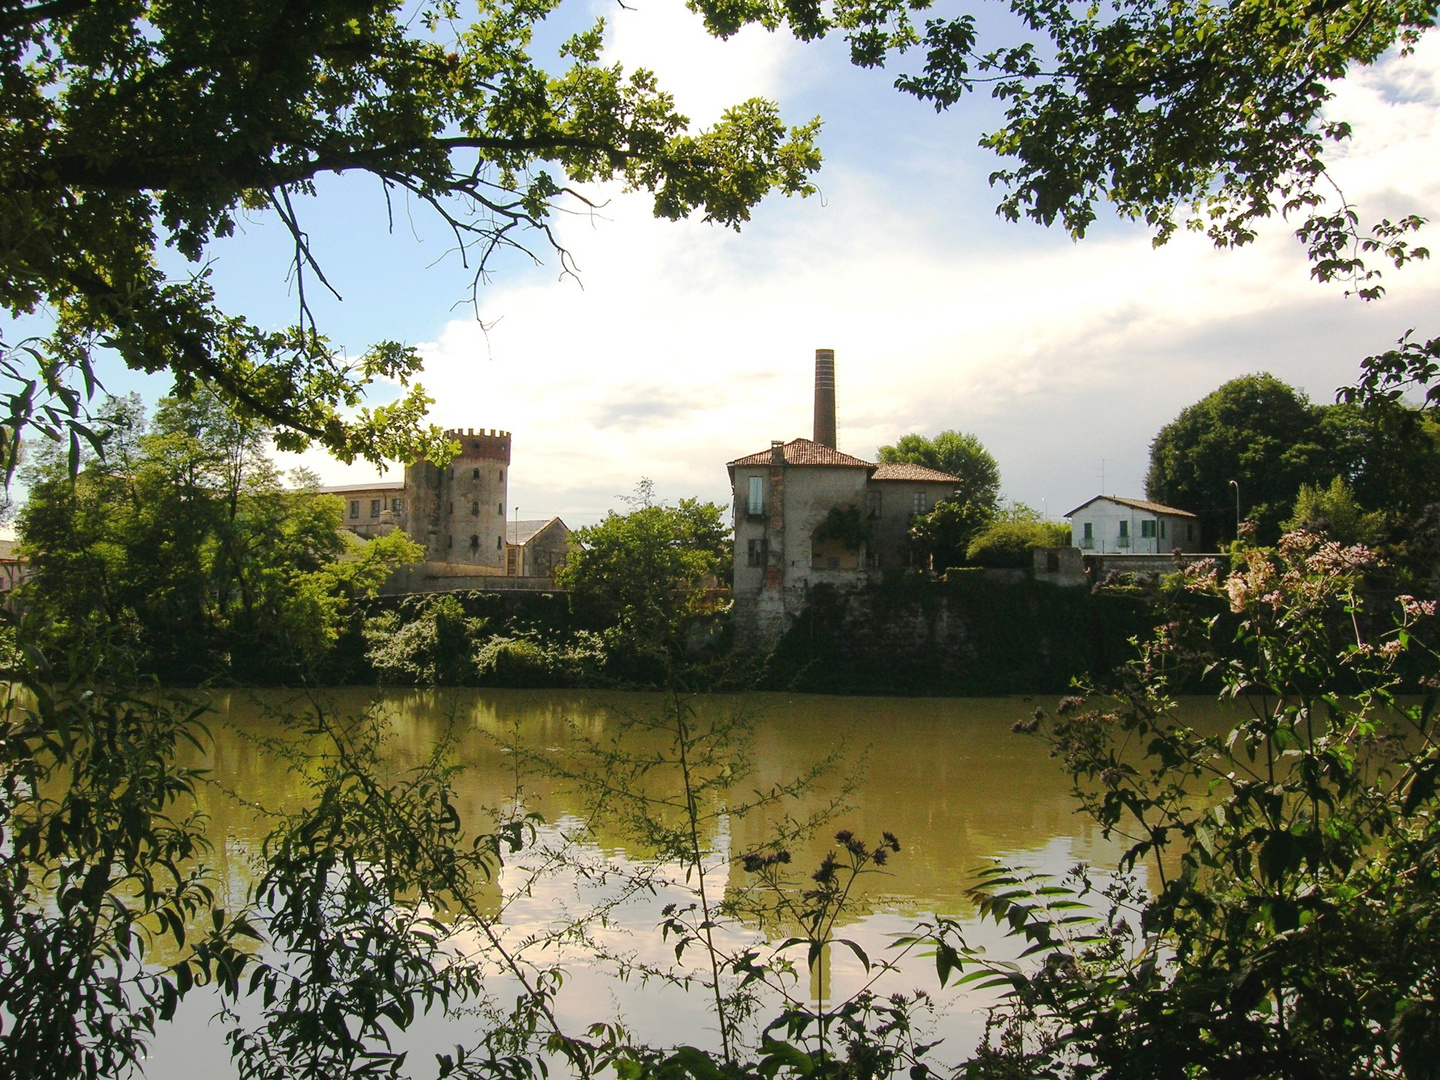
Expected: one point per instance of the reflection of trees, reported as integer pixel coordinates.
(946, 776)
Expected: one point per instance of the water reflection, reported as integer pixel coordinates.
(946, 776)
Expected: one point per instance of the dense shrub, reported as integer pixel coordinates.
(526, 662)
(432, 647)
(1008, 541)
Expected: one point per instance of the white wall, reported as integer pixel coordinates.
(1104, 518)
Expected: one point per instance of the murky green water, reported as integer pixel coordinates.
(946, 776)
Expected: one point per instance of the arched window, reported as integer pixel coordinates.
(475, 475)
(475, 508)
(499, 543)
(474, 543)
(500, 509)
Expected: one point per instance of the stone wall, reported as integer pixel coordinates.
(971, 637)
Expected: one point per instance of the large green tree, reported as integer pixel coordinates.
(958, 453)
(1270, 440)
(182, 550)
(643, 574)
(1255, 431)
(942, 536)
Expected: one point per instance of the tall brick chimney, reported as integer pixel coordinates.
(825, 397)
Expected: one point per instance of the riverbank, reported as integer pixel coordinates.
(970, 637)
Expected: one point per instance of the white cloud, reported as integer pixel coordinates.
(685, 345)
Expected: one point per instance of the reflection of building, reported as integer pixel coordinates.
(457, 513)
(807, 514)
(1108, 523)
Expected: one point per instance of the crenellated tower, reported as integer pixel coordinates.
(458, 512)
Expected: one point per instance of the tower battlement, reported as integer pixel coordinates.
(487, 444)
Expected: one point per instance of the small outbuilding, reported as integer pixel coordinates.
(1108, 524)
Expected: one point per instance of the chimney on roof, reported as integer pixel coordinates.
(825, 397)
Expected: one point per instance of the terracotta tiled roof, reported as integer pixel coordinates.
(1134, 504)
(805, 452)
(906, 471)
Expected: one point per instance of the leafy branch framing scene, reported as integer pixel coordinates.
(360, 879)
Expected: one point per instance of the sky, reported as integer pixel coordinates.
(680, 346)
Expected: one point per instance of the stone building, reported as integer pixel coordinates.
(537, 547)
(458, 514)
(806, 514)
(371, 509)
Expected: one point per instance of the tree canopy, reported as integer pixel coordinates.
(958, 453)
(184, 553)
(1177, 113)
(1256, 431)
(645, 572)
(1268, 438)
(132, 128)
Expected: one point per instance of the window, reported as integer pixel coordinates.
(475, 509)
(374, 507)
(756, 552)
(872, 558)
(475, 475)
(1124, 528)
(502, 476)
(474, 542)
(757, 496)
(1087, 539)
(872, 504)
(1189, 530)
(1124, 540)
(1162, 528)
(919, 503)
(499, 543)
(1147, 530)
(354, 508)
(396, 505)
(500, 509)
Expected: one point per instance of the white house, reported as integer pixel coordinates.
(1108, 524)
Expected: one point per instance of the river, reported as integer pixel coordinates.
(947, 777)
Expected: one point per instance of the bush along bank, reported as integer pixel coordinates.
(966, 637)
(525, 640)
